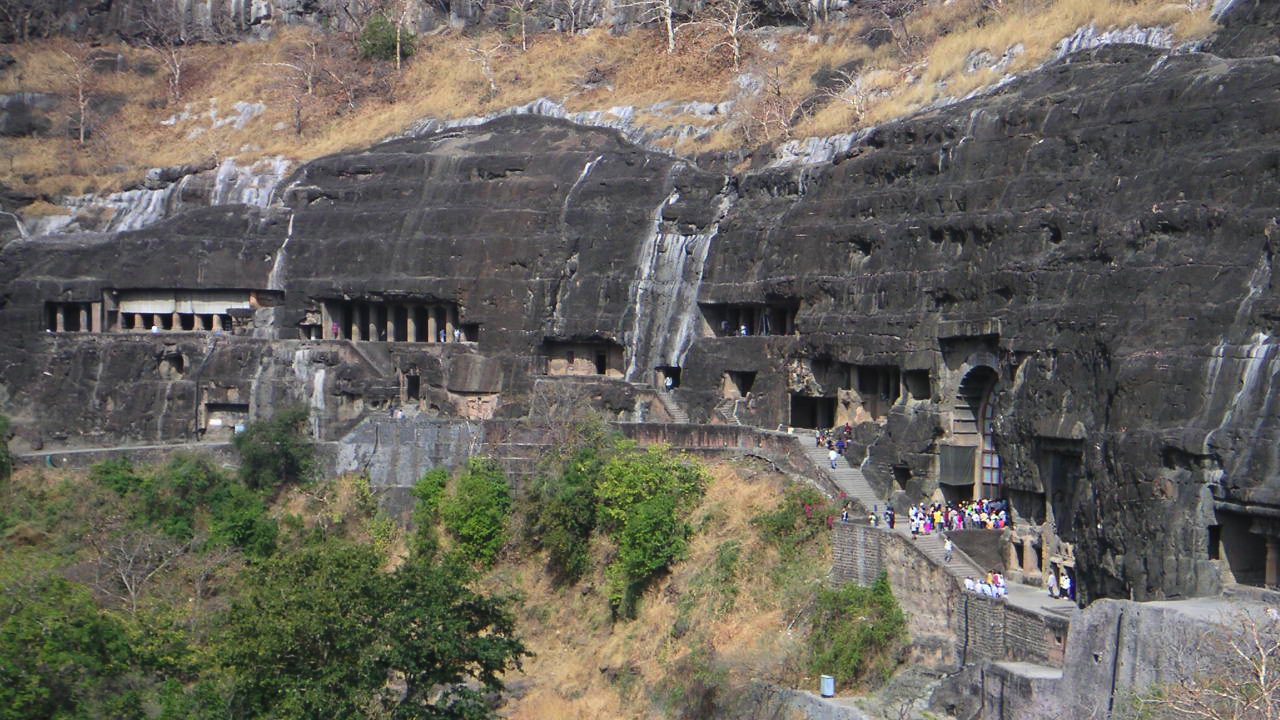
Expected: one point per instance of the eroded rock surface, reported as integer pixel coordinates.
(1083, 257)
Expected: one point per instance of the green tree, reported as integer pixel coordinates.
(276, 451)
(60, 656)
(475, 514)
(643, 498)
(320, 630)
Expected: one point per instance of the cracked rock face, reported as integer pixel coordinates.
(1092, 245)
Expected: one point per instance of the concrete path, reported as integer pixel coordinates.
(854, 484)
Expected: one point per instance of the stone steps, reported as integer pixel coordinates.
(961, 565)
(849, 479)
(728, 409)
(677, 413)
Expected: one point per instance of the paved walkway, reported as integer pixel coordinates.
(854, 484)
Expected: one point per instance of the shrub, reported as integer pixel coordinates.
(476, 513)
(427, 493)
(378, 40)
(276, 451)
(116, 474)
(633, 476)
(6, 458)
(800, 517)
(858, 633)
(652, 538)
(239, 519)
(565, 506)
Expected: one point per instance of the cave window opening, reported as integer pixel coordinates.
(187, 322)
(470, 332)
(812, 412)
(1245, 552)
(668, 377)
(737, 383)
(878, 387)
(412, 387)
(901, 476)
(1215, 542)
(917, 384)
(602, 363)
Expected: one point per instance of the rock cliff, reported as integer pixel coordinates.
(1073, 272)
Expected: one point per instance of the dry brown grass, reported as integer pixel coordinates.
(586, 666)
(950, 34)
(592, 71)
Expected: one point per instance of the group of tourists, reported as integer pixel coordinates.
(991, 585)
(966, 515)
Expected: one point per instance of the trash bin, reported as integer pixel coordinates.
(828, 686)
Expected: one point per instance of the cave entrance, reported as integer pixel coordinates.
(812, 412)
(224, 420)
(668, 376)
(412, 388)
(737, 383)
(1244, 551)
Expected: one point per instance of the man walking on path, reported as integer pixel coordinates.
(947, 548)
(832, 455)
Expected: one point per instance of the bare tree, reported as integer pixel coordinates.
(733, 18)
(128, 559)
(771, 114)
(79, 79)
(573, 15)
(661, 12)
(561, 412)
(484, 58)
(895, 13)
(166, 35)
(518, 12)
(1230, 672)
(302, 70)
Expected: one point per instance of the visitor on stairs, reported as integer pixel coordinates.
(947, 548)
(889, 516)
(832, 455)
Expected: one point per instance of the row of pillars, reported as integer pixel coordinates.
(391, 322)
(182, 322)
(72, 317)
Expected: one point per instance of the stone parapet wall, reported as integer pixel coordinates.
(927, 593)
(949, 627)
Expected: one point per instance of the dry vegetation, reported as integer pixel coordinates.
(726, 622)
(319, 99)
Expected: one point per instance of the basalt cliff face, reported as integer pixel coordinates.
(1064, 287)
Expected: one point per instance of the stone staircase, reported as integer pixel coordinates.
(961, 565)
(728, 409)
(677, 413)
(849, 479)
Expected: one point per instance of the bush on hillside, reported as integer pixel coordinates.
(564, 506)
(277, 451)
(378, 40)
(175, 498)
(643, 499)
(475, 514)
(6, 458)
(858, 633)
(803, 513)
(427, 493)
